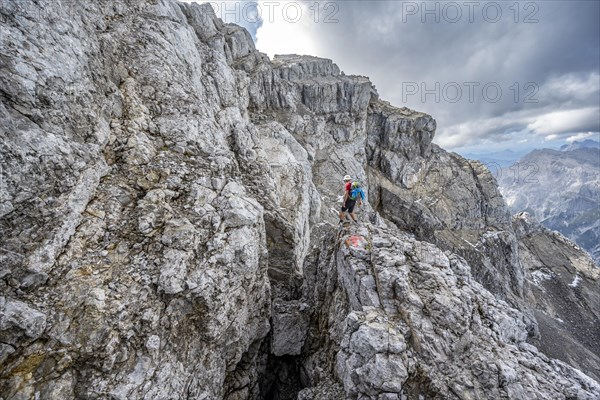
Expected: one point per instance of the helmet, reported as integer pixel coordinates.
(347, 178)
(355, 185)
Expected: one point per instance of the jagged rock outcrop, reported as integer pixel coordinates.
(168, 209)
(441, 197)
(128, 234)
(564, 293)
(401, 318)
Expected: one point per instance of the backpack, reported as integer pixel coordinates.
(356, 191)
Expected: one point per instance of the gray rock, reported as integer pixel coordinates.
(410, 347)
(19, 322)
(5, 351)
(564, 283)
(168, 208)
(289, 322)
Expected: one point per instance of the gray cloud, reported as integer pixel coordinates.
(545, 60)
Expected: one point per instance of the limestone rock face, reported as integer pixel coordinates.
(405, 319)
(441, 197)
(135, 257)
(565, 294)
(169, 229)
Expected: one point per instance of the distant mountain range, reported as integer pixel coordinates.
(580, 145)
(503, 158)
(506, 158)
(561, 188)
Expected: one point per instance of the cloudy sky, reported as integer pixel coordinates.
(495, 75)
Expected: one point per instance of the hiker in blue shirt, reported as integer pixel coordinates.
(350, 198)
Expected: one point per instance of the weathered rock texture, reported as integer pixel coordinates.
(400, 318)
(564, 294)
(561, 189)
(168, 209)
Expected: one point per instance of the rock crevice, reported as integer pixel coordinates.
(168, 216)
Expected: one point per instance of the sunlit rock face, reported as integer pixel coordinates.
(168, 210)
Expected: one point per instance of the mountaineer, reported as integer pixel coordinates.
(352, 193)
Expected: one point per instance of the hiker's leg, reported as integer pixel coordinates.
(351, 210)
(343, 212)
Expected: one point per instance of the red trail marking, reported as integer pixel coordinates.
(355, 241)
